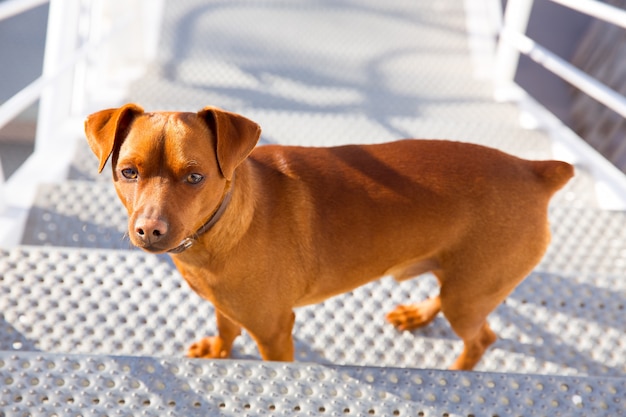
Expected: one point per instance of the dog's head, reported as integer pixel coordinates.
(171, 170)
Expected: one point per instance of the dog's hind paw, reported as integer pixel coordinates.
(409, 317)
(209, 348)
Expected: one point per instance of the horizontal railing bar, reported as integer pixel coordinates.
(599, 10)
(20, 101)
(29, 94)
(566, 71)
(11, 8)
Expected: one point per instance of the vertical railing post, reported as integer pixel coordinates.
(56, 99)
(516, 18)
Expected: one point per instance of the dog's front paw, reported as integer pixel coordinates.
(209, 348)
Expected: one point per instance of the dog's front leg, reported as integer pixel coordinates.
(216, 347)
(273, 337)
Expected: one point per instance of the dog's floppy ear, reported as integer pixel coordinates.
(104, 129)
(235, 135)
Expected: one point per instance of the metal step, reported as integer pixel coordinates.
(586, 241)
(111, 302)
(42, 384)
(262, 54)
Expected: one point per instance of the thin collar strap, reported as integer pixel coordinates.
(189, 241)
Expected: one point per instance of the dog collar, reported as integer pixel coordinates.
(189, 241)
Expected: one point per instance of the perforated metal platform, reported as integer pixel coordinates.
(37, 384)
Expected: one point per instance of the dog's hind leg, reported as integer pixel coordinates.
(466, 308)
(216, 347)
(475, 343)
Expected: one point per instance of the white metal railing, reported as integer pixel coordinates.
(513, 41)
(611, 183)
(93, 49)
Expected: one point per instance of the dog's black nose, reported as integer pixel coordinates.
(150, 231)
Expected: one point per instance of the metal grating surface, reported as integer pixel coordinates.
(346, 84)
(77, 214)
(260, 54)
(131, 303)
(586, 241)
(37, 384)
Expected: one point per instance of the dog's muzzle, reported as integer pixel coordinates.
(188, 242)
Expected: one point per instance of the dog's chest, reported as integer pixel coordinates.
(200, 280)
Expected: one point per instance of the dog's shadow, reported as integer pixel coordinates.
(564, 324)
(542, 329)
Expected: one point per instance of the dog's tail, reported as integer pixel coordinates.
(554, 174)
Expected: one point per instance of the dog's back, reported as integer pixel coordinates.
(409, 200)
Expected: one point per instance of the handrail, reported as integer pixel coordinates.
(566, 71)
(610, 182)
(29, 94)
(12, 8)
(513, 41)
(596, 9)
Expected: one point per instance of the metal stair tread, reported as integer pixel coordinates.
(106, 385)
(227, 55)
(118, 302)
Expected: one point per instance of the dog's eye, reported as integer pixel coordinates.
(129, 173)
(194, 178)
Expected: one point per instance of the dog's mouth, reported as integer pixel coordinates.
(163, 246)
(155, 248)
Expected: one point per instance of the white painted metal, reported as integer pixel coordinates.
(483, 21)
(516, 17)
(610, 182)
(566, 71)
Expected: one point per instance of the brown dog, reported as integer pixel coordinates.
(260, 232)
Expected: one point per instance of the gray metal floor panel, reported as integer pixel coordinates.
(77, 214)
(132, 303)
(586, 241)
(39, 384)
